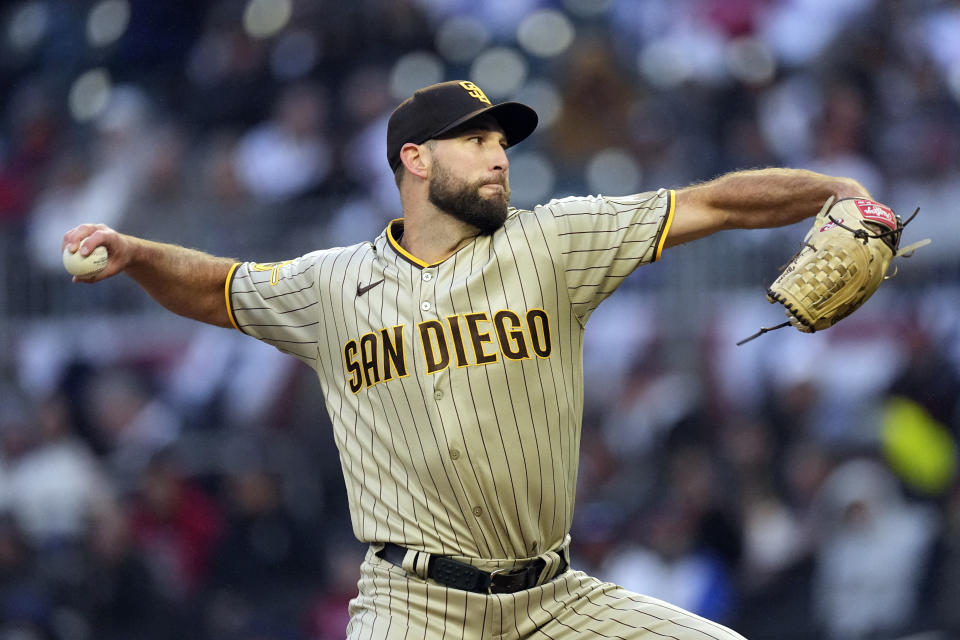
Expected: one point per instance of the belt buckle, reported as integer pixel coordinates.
(509, 573)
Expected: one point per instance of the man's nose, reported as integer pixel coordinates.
(499, 160)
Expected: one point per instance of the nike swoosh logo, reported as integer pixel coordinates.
(363, 290)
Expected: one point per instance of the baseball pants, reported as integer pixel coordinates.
(394, 603)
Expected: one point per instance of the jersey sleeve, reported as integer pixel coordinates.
(277, 302)
(600, 240)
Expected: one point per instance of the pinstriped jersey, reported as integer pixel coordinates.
(455, 389)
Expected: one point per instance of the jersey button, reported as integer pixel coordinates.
(427, 276)
(477, 511)
(454, 454)
(425, 306)
(438, 395)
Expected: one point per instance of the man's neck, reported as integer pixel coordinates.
(432, 235)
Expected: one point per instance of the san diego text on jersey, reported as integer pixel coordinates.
(462, 340)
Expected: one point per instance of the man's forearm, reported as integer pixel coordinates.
(772, 197)
(188, 282)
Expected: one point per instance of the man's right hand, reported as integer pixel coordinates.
(87, 237)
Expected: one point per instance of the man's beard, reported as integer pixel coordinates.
(463, 201)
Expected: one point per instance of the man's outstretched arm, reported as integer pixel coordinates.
(753, 200)
(188, 282)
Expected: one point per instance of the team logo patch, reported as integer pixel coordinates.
(268, 266)
(876, 212)
(475, 92)
(273, 267)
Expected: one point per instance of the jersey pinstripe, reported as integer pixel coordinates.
(455, 389)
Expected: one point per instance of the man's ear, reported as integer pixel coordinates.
(416, 158)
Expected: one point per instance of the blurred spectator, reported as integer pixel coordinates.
(176, 527)
(57, 485)
(648, 407)
(226, 70)
(356, 221)
(94, 181)
(799, 30)
(329, 613)
(806, 466)
(287, 155)
(219, 206)
(165, 207)
(222, 378)
(689, 545)
(775, 575)
(266, 563)
(946, 584)
(594, 90)
(34, 133)
(133, 422)
(15, 436)
(669, 565)
(772, 540)
(871, 555)
(693, 480)
(930, 379)
(840, 147)
(26, 603)
(120, 597)
(366, 105)
(57, 488)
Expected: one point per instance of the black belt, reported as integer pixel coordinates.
(460, 575)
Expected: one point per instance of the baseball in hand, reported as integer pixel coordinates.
(85, 266)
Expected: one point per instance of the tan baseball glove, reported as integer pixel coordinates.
(844, 258)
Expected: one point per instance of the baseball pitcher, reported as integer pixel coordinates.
(449, 353)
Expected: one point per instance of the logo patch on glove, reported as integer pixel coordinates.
(830, 225)
(875, 212)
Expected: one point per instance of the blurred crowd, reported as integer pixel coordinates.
(163, 480)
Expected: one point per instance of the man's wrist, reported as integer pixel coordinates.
(139, 252)
(850, 188)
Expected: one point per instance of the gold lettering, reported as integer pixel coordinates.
(368, 356)
(458, 346)
(349, 354)
(431, 333)
(538, 322)
(512, 343)
(380, 356)
(393, 353)
(478, 338)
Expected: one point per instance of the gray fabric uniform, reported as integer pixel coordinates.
(456, 391)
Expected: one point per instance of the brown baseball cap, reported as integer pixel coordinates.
(435, 110)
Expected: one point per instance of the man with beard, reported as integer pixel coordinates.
(449, 353)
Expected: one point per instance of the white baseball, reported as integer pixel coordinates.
(85, 266)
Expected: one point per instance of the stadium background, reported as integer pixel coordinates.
(160, 479)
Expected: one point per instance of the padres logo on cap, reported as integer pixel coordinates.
(475, 91)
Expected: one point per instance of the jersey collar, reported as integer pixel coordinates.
(394, 233)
